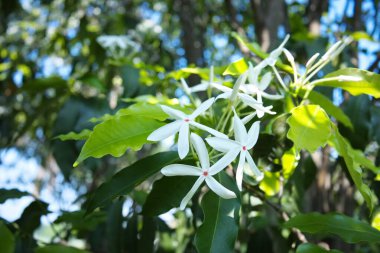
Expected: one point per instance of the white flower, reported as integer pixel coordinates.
(205, 172)
(273, 56)
(204, 85)
(182, 126)
(242, 144)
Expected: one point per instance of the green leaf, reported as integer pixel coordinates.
(116, 135)
(7, 240)
(58, 249)
(220, 226)
(361, 159)
(166, 194)
(82, 135)
(236, 68)
(30, 219)
(330, 108)
(369, 83)
(80, 221)
(361, 35)
(345, 150)
(45, 83)
(312, 248)
(6, 194)
(146, 110)
(128, 178)
(347, 228)
(310, 127)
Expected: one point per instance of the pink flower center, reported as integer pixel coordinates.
(244, 148)
(186, 120)
(205, 173)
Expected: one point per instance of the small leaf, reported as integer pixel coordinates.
(345, 150)
(7, 240)
(6, 194)
(312, 248)
(80, 221)
(330, 108)
(347, 228)
(236, 68)
(58, 249)
(82, 135)
(166, 194)
(146, 110)
(310, 127)
(369, 82)
(220, 226)
(128, 178)
(116, 135)
(361, 35)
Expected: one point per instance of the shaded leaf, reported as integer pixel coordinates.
(220, 226)
(347, 228)
(80, 221)
(7, 240)
(30, 219)
(128, 178)
(6, 194)
(312, 248)
(59, 249)
(115, 136)
(82, 135)
(310, 127)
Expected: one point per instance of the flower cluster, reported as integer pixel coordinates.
(247, 92)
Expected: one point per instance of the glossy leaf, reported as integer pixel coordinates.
(146, 110)
(115, 136)
(345, 150)
(347, 228)
(6, 194)
(312, 248)
(236, 68)
(330, 108)
(309, 127)
(128, 178)
(59, 249)
(82, 135)
(369, 83)
(166, 194)
(7, 240)
(220, 226)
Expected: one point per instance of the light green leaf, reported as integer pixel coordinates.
(310, 127)
(116, 135)
(220, 226)
(347, 228)
(312, 248)
(345, 150)
(369, 82)
(58, 249)
(361, 35)
(361, 159)
(7, 240)
(330, 108)
(236, 68)
(6, 194)
(146, 110)
(166, 194)
(128, 178)
(82, 135)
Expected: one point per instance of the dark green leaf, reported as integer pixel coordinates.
(6, 194)
(220, 226)
(30, 219)
(166, 194)
(82, 135)
(347, 228)
(116, 135)
(45, 83)
(312, 248)
(59, 249)
(80, 221)
(128, 178)
(7, 240)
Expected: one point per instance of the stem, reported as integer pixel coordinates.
(279, 78)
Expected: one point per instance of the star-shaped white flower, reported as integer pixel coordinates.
(205, 172)
(242, 144)
(182, 126)
(273, 56)
(204, 85)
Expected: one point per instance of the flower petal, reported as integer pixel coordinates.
(175, 114)
(222, 144)
(239, 130)
(183, 141)
(185, 86)
(224, 161)
(181, 170)
(221, 87)
(200, 148)
(224, 95)
(202, 108)
(219, 189)
(165, 131)
(272, 96)
(265, 81)
(248, 118)
(253, 134)
(191, 193)
(208, 129)
(239, 170)
(258, 173)
(199, 87)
